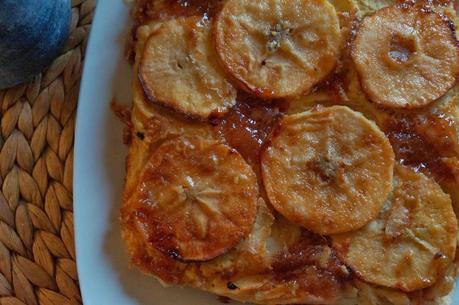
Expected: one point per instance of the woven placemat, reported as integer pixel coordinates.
(37, 252)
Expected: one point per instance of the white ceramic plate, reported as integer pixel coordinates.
(103, 267)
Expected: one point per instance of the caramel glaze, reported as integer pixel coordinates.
(247, 127)
(422, 141)
(324, 272)
(147, 10)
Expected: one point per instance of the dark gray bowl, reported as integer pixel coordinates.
(31, 34)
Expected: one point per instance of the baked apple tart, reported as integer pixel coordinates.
(295, 152)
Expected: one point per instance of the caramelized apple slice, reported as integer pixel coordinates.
(196, 199)
(412, 241)
(406, 56)
(328, 170)
(277, 48)
(179, 69)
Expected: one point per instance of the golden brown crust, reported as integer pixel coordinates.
(411, 243)
(407, 56)
(329, 170)
(276, 49)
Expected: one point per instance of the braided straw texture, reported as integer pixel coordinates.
(37, 252)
